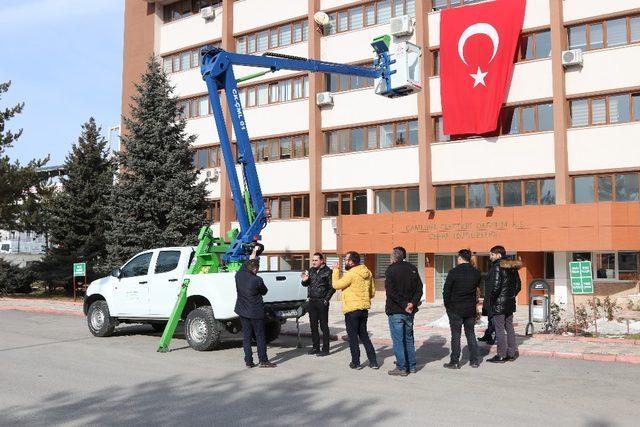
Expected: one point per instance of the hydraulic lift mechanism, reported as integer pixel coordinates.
(396, 74)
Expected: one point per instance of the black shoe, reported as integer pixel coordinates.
(354, 365)
(267, 365)
(452, 365)
(251, 365)
(474, 364)
(511, 358)
(374, 366)
(497, 359)
(398, 372)
(313, 351)
(322, 353)
(490, 342)
(484, 338)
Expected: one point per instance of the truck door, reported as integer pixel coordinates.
(132, 290)
(165, 282)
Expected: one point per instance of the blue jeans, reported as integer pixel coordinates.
(401, 327)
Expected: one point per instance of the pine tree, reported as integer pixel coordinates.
(79, 214)
(156, 201)
(15, 179)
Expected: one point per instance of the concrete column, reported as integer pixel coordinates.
(561, 274)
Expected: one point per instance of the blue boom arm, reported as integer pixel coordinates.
(217, 72)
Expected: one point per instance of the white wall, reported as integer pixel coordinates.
(287, 117)
(393, 166)
(536, 15)
(213, 188)
(284, 176)
(561, 277)
(531, 80)
(204, 128)
(188, 83)
(364, 105)
(329, 238)
(605, 69)
(250, 14)
(190, 31)
(580, 9)
(481, 158)
(330, 4)
(604, 147)
(283, 236)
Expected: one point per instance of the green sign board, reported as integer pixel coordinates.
(581, 277)
(79, 269)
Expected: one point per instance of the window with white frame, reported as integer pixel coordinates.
(612, 265)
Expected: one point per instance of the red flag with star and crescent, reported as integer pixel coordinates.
(477, 49)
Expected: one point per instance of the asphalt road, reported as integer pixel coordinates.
(52, 372)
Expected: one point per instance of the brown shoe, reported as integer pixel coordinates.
(398, 373)
(267, 365)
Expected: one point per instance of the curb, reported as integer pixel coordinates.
(43, 300)
(42, 310)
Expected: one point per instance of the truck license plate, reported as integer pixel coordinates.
(284, 314)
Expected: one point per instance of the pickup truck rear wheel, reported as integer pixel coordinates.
(272, 330)
(100, 322)
(202, 329)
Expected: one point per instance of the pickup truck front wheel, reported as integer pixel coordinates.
(202, 329)
(272, 330)
(100, 322)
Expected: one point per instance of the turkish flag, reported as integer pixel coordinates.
(477, 50)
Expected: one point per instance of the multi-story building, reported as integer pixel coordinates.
(557, 182)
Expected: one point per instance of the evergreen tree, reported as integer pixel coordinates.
(156, 201)
(78, 214)
(15, 180)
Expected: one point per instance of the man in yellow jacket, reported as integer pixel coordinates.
(357, 290)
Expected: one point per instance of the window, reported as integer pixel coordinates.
(167, 261)
(600, 34)
(535, 46)
(612, 266)
(212, 213)
(583, 189)
(281, 36)
(579, 113)
(340, 82)
(184, 60)
(622, 187)
(443, 4)
(139, 266)
(207, 157)
(281, 91)
(512, 121)
(287, 207)
(435, 63)
(509, 193)
(399, 200)
(371, 137)
(549, 266)
(349, 203)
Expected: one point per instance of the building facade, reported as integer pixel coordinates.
(557, 182)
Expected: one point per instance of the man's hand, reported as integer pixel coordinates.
(335, 265)
(409, 308)
(304, 276)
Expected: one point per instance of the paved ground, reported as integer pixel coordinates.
(54, 372)
(431, 327)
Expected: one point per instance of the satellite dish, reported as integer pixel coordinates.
(321, 18)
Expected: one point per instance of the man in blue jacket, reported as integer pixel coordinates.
(250, 307)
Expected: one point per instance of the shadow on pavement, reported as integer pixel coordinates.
(227, 400)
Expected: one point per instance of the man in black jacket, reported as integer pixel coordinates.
(460, 294)
(503, 283)
(250, 307)
(319, 292)
(403, 287)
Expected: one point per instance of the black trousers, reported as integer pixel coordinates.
(251, 328)
(319, 314)
(456, 322)
(356, 323)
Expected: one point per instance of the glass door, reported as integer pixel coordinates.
(444, 263)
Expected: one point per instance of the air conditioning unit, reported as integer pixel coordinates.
(401, 26)
(212, 176)
(324, 99)
(571, 57)
(208, 13)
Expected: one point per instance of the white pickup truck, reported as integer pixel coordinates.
(146, 288)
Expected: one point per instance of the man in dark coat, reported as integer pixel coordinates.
(460, 294)
(403, 287)
(250, 307)
(503, 284)
(319, 292)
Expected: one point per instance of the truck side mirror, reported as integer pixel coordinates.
(116, 272)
